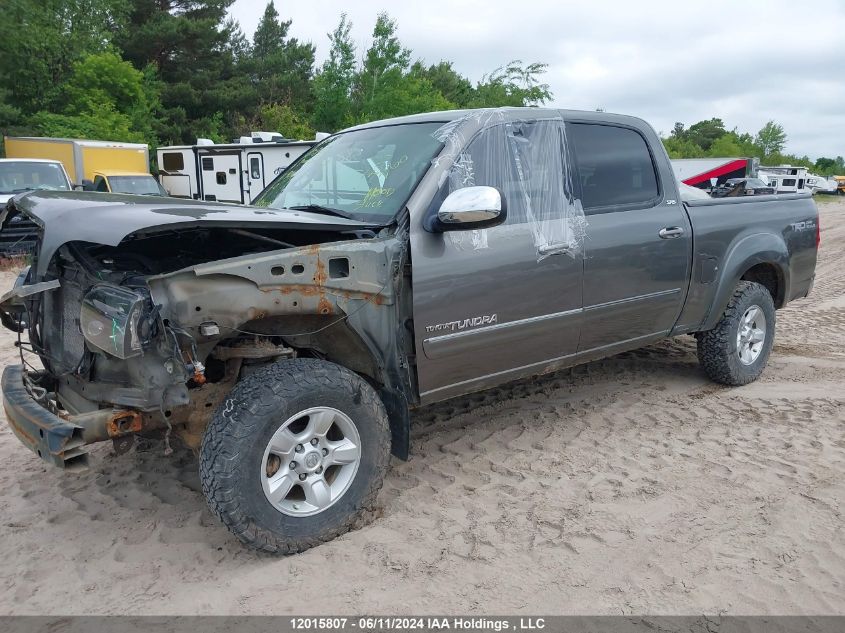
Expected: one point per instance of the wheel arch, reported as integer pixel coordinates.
(352, 343)
(761, 258)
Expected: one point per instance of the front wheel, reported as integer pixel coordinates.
(736, 351)
(296, 455)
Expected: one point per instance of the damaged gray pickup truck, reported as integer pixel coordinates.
(395, 264)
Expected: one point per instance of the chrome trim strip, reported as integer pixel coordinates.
(627, 341)
(495, 374)
(651, 295)
(557, 359)
(500, 326)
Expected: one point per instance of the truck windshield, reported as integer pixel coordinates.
(18, 176)
(363, 174)
(141, 185)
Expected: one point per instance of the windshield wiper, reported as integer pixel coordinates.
(317, 208)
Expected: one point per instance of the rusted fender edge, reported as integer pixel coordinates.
(317, 279)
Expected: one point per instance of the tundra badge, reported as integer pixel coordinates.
(456, 326)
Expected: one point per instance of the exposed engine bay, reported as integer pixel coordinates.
(157, 329)
(172, 250)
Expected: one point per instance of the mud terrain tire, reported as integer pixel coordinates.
(233, 454)
(718, 349)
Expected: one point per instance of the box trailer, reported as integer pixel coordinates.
(227, 172)
(84, 159)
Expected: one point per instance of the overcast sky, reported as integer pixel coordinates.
(747, 62)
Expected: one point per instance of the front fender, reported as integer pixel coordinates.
(746, 252)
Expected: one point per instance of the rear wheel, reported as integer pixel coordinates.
(296, 455)
(736, 351)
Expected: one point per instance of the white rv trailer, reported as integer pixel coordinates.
(227, 172)
(821, 184)
(785, 178)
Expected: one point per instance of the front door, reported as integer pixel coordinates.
(500, 303)
(638, 239)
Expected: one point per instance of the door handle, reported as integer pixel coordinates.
(554, 249)
(670, 232)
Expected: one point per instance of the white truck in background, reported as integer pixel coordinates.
(228, 172)
(20, 175)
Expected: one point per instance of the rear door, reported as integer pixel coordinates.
(221, 177)
(638, 243)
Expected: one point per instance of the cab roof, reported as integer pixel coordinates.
(447, 116)
(30, 160)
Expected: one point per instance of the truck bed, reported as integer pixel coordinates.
(781, 229)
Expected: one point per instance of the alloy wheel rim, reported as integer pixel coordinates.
(310, 461)
(751, 335)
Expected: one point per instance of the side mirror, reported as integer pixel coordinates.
(87, 185)
(78, 188)
(471, 208)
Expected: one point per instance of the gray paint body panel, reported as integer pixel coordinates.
(625, 288)
(628, 288)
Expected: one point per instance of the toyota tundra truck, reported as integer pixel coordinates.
(393, 265)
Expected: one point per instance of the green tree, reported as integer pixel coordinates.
(195, 50)
(401, 95)
(105, 98)
(682, 148)
(384, 64)
(705, 133)
(40, 40)
(283, 67)
(270, 34)
(334, 83)
(830, 166)
(105, 78)
(824, 165)
(725, 145)
(285, 119)
(384, 87)
(453, 86)
(516, 85)
(100, 121)
(771, 139)
(9, 114)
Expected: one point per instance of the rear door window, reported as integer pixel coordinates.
(614, 166)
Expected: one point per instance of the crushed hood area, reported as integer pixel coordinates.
(108, 219)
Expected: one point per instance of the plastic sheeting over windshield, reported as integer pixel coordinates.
(526, 159)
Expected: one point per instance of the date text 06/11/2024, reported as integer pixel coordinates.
(387, 623)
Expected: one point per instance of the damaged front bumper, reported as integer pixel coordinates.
(60, 440)
(56, 441)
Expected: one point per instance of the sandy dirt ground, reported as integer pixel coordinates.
(628, 485)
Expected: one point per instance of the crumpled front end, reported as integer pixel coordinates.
(129, 345)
